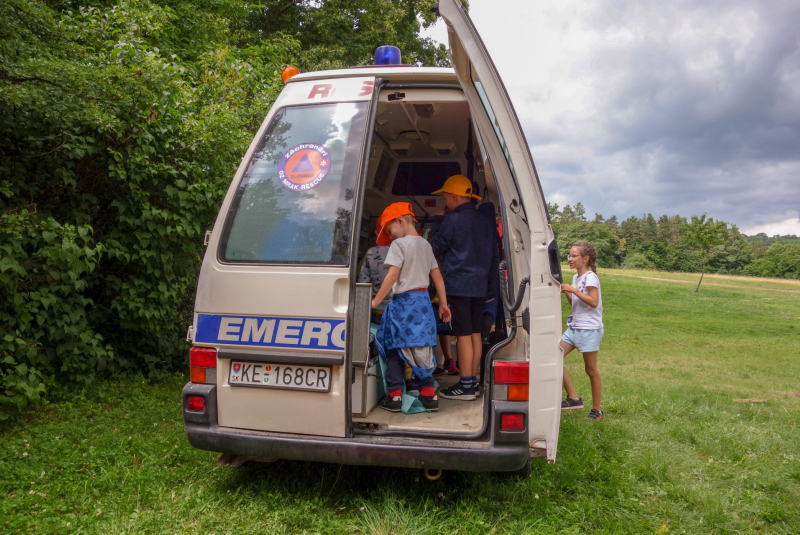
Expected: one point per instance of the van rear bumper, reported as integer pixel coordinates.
(474, 456)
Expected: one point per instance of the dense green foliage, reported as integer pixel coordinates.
(676, 244)
(121, 125)
(680, 449)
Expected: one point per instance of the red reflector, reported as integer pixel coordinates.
(204, 357)
(197, 375)
(198, 403)
(511, 372)
(517, 392)
(511, 422)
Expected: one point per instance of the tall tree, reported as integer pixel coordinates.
(703, 234)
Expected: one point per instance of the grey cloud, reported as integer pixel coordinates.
(696, 109)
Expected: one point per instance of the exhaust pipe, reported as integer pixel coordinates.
(432, 474)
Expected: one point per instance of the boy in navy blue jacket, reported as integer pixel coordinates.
(467, 244)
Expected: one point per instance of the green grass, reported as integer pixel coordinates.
(674, 451)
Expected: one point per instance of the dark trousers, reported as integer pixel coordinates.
(396, 372)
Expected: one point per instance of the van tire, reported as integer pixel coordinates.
(522, 474)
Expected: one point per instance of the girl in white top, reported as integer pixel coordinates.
(585, 325)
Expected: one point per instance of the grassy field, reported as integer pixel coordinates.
(678, 452)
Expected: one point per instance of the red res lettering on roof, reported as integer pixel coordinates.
(366, 89)
(322, 90)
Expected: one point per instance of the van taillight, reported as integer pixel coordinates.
(196, 403)
(203, 357)
(510, 373)
(517, 392)
(512, 422)
(203, 364)
(511, 381)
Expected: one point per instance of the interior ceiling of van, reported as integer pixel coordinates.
(423, 130)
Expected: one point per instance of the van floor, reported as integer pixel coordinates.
(453, 415)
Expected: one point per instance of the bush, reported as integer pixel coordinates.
(637, 260)
(781, 261)
(48, 336)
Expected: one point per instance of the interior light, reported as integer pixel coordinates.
(387, 55)
(288, 72)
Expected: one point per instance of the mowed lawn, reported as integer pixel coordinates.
(678, 451)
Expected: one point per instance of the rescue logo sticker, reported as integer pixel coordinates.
(260, 331)
(304, 166)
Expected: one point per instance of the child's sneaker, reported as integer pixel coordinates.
(439, 371)
(430, 402)
(570, 404)
(458, 391)
(412, 386)
(451, 368)
(394, 404)
(595, 414)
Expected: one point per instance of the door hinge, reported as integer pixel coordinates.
(207, 238)
(190, 333)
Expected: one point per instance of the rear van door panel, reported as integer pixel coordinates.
(527, 220)
(275, 281)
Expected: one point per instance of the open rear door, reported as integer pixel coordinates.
(528, 226)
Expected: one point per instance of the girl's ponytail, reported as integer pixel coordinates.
(587, 249)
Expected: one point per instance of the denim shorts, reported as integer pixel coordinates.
(584, 340)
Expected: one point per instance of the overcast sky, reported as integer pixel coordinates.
(679, 107)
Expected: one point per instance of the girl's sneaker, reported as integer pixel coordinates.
(570, 404)
(451, 368)
(595, 414)
(392, 404)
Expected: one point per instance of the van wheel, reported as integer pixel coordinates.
(524, 472)
(521, 474)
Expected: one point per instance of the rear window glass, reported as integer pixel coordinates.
(294, 204)
(422, 178)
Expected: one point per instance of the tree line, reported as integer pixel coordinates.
(675, 243)
(122, 123)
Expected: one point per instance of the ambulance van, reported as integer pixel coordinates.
(282, 360)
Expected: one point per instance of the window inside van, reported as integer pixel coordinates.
(294, 204)
(423, 178)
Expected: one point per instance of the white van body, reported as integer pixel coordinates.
(279, 317)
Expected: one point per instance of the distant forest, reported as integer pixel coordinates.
(676, 243)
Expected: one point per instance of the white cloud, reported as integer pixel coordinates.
(629, 107)
(788, 226)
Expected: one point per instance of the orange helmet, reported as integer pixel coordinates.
(392, 212)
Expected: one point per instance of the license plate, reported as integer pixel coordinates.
(259, 374)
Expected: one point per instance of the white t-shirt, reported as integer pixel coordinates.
(414, 256)
(584, 316)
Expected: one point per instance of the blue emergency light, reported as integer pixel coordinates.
(387, 55)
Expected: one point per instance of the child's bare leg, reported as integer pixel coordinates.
(465, 354)
(590, 365)
(477, 347)
(568, 386)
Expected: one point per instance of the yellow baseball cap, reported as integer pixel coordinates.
(457, 185)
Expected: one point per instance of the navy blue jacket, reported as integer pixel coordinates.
(465, 240)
